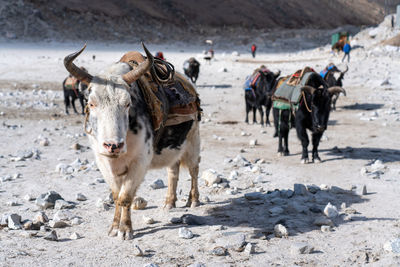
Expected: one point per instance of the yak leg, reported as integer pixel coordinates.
(125, 231)
(302, 134)
(254, 115)
(66, 101)
(82, 101)
(286, 145)
(117, 216)
(316, 137)
(334, 99)
(173, 176)
(247, 112)
(267, 111)
(193, 200)
(73, 105)
(260, 109)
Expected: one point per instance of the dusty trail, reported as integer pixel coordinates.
(364, 128)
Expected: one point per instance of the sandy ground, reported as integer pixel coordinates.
(364, 128)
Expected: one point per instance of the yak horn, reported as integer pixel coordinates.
(336, 90)
(75, 71)
(144, 67)
(308, 89)
(347, 68)
(276, 74)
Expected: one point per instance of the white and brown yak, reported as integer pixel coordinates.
(121, 131)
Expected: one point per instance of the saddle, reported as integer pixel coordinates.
(170, 102)
(288, 89)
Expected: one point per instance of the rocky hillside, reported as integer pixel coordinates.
(159, 20)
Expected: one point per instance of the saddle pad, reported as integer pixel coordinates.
(292, 93)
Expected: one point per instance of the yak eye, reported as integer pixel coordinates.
(128, 105)
(91, 105)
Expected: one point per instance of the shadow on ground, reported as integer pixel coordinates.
(366, 153)
(363, 106)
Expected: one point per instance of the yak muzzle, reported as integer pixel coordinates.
(113, 147)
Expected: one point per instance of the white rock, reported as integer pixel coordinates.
(102, 205)
(253, 142)
(52, 236)
(185, 233)
(211, 177)
(331, 211)
(280, 231)
(157, 184)
(255, 169)
(81, 197)
(41, 217)
(139, 203)
(76, 221)
(249, 249)
(360, 190)
(148, 220)
(63, 215)
(29, 197)
(75, 236)
(301, 248)
(14, 221)
(326, 228)
(57, 224)
(233, 175)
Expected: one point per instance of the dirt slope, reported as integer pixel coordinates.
(161, 19)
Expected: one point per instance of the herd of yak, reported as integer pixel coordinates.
(318, 97)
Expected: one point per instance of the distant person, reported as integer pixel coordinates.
(253, 50)
(211, 51)
(160, 55)
(346, 50)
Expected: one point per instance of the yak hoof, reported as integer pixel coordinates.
(317, 160)
(113, 232)
(125, 235)
(286, 153)
(169, 206)
(304, 161)
(280, 154)
(194, 204)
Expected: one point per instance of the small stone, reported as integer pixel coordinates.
(14, 222)
(28, 225)
(29, 197)
(76, 221)
(52, 236)
(249, 249)
(27, 234)
(313, 188)
(343, 205)
(47, 200)
(4, 220)
(76, 146)
(253, 142)
(191, 219)
(287, 193)
(63, 215)
(276, 211)
(233, 175)
(360, 190)
(175, 220)
(324, 187)
(99, 180)
(255, 169)
(211, 177)
(137, 251)
(81, 197)
(393, 246)
(280, 231)
(350, 211)
(148, 220)
(197, 264)
(205, 199)
(300, 189)
(41, 217)
(326, 228)
(44, 142)
(218, 251)
(62, 204)
(301, 248)
(331, 211)
(139, 203)
(254, 196)
(157, 184)
(102, 205)
(75, 236)
(57, 224)
(12, 203)
(185, 233)
(151, 265)
(322, 221)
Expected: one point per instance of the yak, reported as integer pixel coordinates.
(191, 67)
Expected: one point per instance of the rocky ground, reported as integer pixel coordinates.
(258, 208)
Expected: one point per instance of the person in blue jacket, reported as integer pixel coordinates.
(346, 50)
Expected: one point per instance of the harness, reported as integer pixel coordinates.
(72, 83)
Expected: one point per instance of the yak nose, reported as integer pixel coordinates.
(113, 147)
